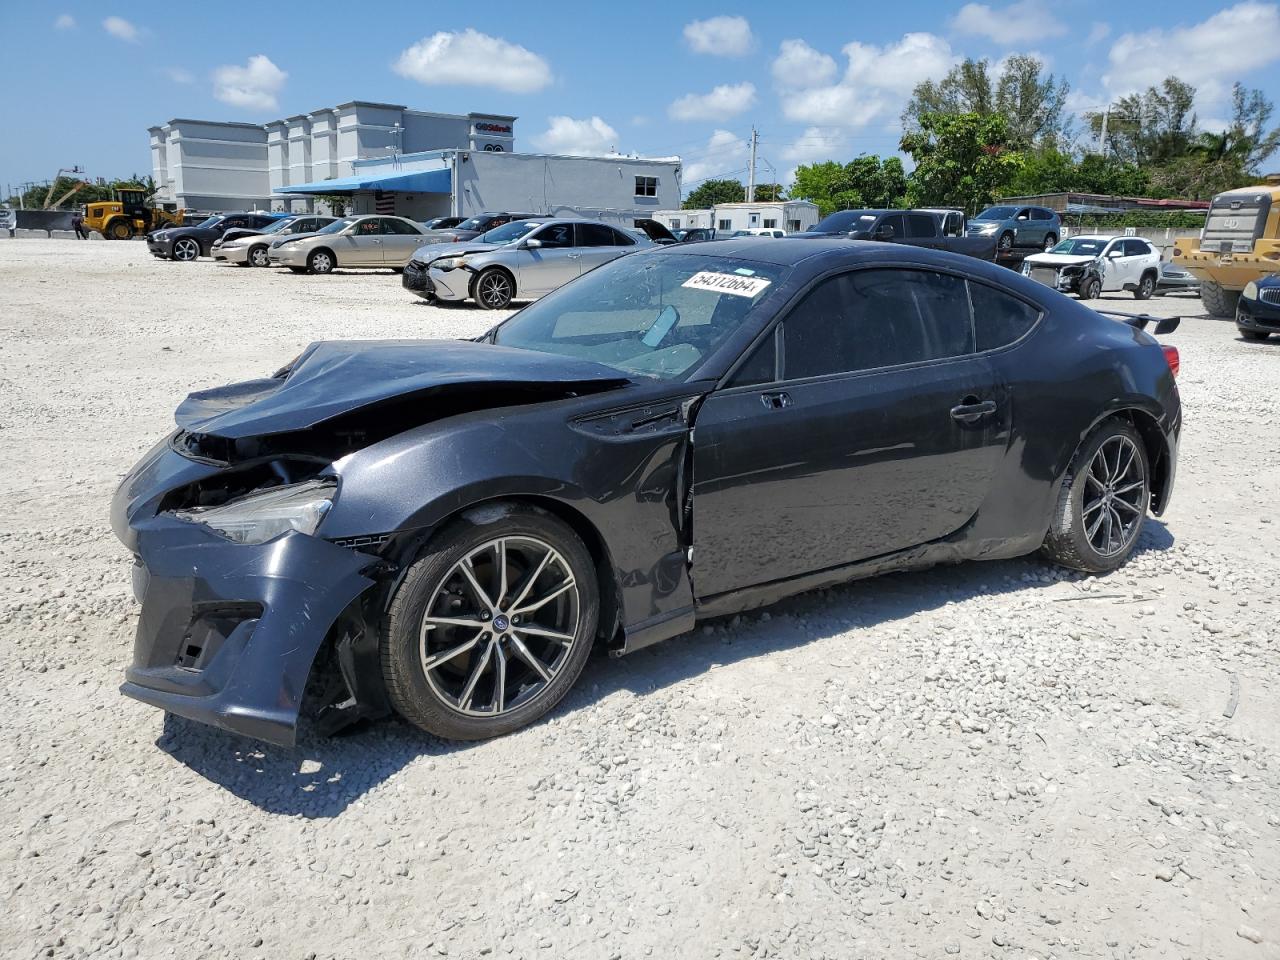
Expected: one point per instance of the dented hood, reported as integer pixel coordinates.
(336, 377)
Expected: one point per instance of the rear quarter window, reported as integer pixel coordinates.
(999, 318)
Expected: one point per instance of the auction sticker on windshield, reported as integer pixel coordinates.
(726, 283)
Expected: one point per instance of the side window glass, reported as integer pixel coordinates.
(877, 318)
(620, 239)
(890, 226)
(556, 235)
(760, 367)
(593, 235)
(392, 225)
(921, 225)
(998, 318)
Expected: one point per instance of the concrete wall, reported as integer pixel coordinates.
(598, 188)
(1162, 237)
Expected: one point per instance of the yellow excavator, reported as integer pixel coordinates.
(128, 215)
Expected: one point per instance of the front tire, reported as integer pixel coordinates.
(186, 250)
(1005, 243)
(120, 230)
(1219, 302)
(494, 289)
(321, 261)
(1146, 287)
(492, 625)
(258, 257)
(1103, 501)
(1050, 241)
(1090, 289)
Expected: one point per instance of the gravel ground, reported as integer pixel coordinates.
(989, 760)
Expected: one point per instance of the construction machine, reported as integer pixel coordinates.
(1240, 243)
(128, 215)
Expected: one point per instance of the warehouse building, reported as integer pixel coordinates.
(390, 159)
(793, 216)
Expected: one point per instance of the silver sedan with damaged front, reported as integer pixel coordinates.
(366, 242)
(521, 260)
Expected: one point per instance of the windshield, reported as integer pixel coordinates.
(997, 213)
(338, 225)
(651, 315)
(1080, 246)
(279, 225)
(845, 221)
(508, 231)
(475, 223)
(210, 221)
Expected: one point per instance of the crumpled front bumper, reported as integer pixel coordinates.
(235, 254)
(229, 632)
(288, 255)
(450, 284)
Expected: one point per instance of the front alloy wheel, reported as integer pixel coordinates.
(1006, 241)
(492, 626)
(186, 250)
(494, 289)
(1050, 241)
(1146, 287)
(258, 257)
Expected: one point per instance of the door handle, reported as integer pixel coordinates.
(971, 408)
(776, 400)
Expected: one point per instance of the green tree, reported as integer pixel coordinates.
(711, 192)
(1152, 128)
(962, 160)
(1032, 103)
(1053, 171)
(769, 192)
(865, 181)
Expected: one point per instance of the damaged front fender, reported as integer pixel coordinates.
(229, 632)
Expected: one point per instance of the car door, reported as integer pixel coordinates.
(891, 228)
(399, 239)
(551, 264)
(362, 244)
(598, 244)
(922, 230)
(878, 428)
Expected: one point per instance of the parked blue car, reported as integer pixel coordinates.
(1014, 226)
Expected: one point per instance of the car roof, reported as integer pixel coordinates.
(1097, 236)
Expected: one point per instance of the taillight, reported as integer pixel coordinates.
(1171, 357)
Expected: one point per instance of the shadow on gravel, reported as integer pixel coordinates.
(321, 777)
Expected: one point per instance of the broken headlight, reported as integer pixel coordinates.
(261, 516)
(449, 263)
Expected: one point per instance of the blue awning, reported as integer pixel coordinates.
(401, 181)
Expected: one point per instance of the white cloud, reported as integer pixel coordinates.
(65, 21)
(121, 29)
(720, 36)
(1208, 55)
(1097, 33)
(179, 75)
(876, 82)
(253, 86)
(798, 66)
(1021, 22)
(586, 138)
(723, 157)
(474, 59)
(726, 100)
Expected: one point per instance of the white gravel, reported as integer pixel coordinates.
(990, 760)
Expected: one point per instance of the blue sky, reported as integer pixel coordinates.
(82, 81)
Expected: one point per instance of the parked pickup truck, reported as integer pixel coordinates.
(937, 229)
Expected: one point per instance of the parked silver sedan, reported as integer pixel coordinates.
(524, 260)
(362, 241)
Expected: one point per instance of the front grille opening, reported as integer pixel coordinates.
(211, 625)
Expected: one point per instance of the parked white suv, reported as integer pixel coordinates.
(1089, 266)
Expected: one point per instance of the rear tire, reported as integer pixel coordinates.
(1255, 335)
(1216, 300)
(1146, 287)
(459, 697)
(119, 230)
(1103, 501)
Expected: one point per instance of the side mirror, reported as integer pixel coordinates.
(533, 243)
(1023, 217)
(884, 232)
(1114, 254)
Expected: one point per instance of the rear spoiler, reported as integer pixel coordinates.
(1140, 320)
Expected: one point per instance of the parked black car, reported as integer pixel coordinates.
(189, 243)
(1258, 309)
(472, 227)
(455, 524)
(238, 246)
(442, 223)
(919, 228)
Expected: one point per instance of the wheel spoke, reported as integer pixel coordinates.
(1093, 530)
(453, 622)
(501, 550)
(527, 656)
(1093, 506)
(1090, 478)
(470, 574)
(430, 663)
(500, 679)
(1128, 488)
(544, 632)
(1128, 506)
(532, 578)
(1128, 460)
(538, 604)
(464, 699)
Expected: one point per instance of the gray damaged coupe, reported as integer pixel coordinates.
(446, 529)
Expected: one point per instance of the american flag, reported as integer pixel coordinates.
(384, 203)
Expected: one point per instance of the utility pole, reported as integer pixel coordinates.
(1106, 115)
(751, 172)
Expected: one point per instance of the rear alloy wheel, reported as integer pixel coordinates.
(186, 250)
(258, 257)
(1090, 288)
(1103, 501)
(494, 289)
(1050, 241)
(119, 230)
(321, 261)
(1146, 287)
(492, 626)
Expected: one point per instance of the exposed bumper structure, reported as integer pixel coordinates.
(236, 253)
(417, 279)
(450, 284)
(228, 631)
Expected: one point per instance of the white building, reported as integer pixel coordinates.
(794, 216)
(389, 159)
